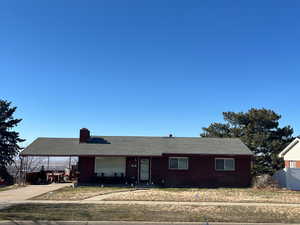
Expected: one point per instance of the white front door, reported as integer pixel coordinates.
(144, 169)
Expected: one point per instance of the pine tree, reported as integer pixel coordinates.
(9, 139)
(259, 130)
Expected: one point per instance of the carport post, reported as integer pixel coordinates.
(70, 162)
(25, 172)
(21, 168)
(48, 163)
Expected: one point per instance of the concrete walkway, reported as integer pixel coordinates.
(190, 203)
(30, 191)
(107, 195)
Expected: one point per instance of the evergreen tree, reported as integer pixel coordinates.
(9, 139)
(259, 130)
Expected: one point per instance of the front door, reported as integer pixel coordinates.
(144, 169)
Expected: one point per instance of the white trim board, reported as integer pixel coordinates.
(292, 151)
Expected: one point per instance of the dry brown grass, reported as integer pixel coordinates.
(10, 187)
(78, 193)
(158, 212)
(211, 195)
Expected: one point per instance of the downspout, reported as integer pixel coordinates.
(138, 168)
(150, 168)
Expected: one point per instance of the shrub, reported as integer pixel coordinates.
(5, 177)
(264, 181)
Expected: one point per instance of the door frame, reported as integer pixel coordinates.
(149, 169)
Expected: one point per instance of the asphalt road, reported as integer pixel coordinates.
(122, 223)
(4, 205)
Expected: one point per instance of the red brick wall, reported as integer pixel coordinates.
(86, 167)
(131, 168)
(201, 172)
(158, 170)
(287, 163)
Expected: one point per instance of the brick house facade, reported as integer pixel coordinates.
(164, 161)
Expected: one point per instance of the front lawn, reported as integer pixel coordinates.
(92, 212)
(211, 195)
(176, 194)
(10, 187)
(79, 193)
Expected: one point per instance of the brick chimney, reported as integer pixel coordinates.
(84, 135)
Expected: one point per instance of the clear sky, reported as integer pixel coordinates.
(147, 67)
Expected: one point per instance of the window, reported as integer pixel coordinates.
(179, 163)
(224, 164)
(109, 166)
(293, 164)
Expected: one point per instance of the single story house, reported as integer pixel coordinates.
(168, 161)
(289, 177)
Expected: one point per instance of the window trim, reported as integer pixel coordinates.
(187, 163)
(292, 164)
(234, 167)
(122, 167)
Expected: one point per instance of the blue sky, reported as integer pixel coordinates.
(147, 67)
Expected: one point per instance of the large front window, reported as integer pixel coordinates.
(110, 166)
(178, 163)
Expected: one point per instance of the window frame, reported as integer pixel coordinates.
(292, 164)
(121, 168)
(187, 163)
(225, 169)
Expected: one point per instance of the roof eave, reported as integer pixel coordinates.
(288, 148)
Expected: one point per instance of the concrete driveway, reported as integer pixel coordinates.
(30, 191)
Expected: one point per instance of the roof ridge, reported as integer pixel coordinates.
(174, 137)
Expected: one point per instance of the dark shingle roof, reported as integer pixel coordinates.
(136, 146)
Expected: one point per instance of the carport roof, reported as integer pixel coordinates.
(135, 146)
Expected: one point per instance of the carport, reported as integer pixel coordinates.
(57, 169)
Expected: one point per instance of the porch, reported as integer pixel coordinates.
(115, 170)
